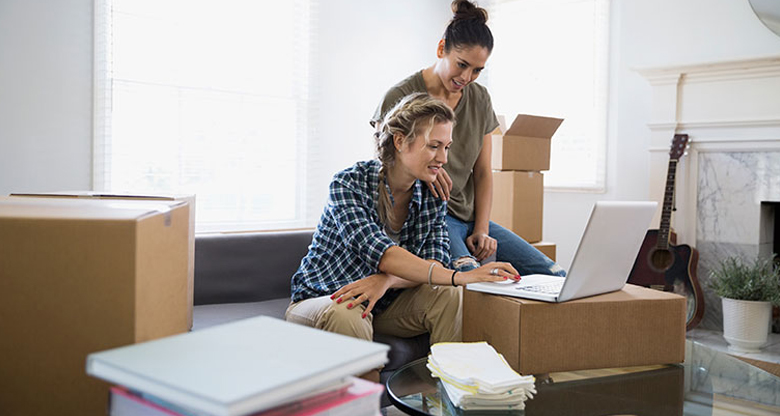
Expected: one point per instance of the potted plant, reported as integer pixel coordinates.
(748, 292)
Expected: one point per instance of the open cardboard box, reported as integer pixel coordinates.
(631, 327)
(79, 275)
(525, 145)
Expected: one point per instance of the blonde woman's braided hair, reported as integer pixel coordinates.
(413, 116)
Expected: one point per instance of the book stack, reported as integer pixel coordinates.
(476, 377)
(258, 366)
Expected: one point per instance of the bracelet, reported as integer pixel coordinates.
(430, 273)
(453, 278)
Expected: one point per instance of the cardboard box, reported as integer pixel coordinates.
(79, 276)
(631, 327)
(190, 199)
(548, 249)
(525, 145)
(518, 203)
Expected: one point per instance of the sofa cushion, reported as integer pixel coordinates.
(247, 267)
(205, 316)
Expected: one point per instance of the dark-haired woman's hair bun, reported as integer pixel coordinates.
(466, 10)
(468, 27)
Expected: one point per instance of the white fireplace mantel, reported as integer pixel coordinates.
(729, 106)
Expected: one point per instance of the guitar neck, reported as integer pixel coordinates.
(666, 213)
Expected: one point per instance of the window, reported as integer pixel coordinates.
(207, 97)
(550, 59)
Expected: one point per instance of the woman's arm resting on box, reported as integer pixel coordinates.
(399, 262)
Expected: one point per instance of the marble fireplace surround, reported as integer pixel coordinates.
(731, 112)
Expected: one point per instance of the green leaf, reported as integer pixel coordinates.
(759, 281)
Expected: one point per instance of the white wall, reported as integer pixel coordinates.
(45, 95)
(651, 33)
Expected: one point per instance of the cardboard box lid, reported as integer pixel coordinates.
(533, 126)
(628, 293)
(100, 195)
(95, 209)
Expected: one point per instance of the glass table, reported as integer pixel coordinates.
(708, 383)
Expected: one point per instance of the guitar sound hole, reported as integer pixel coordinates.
(660, 260)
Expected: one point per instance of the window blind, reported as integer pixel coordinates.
(551, 59)
(206, 97)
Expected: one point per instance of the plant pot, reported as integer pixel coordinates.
(746, 324)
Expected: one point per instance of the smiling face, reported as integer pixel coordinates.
(460, 66)
(422, 159)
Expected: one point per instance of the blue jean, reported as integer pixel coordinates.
(511, 248)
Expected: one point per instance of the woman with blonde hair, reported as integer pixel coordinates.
(378, 259)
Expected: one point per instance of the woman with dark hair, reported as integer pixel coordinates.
(467, 182)
(378, 259)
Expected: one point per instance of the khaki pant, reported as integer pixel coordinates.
(415, 311)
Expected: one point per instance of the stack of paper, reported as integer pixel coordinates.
(476, 377)
(240, 368)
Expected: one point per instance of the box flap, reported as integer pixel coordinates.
(533, 126)
(84, 208)
(97, 195)
(629, 292)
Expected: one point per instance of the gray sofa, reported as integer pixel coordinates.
(242, 275)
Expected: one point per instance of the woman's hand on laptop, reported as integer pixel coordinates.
(492, 272)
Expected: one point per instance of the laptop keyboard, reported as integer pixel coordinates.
(551, 288)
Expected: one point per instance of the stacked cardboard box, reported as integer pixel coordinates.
(520, 153)
(79, 275)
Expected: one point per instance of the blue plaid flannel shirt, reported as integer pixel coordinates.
(349, 241)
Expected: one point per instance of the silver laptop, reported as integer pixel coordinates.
(601, 263)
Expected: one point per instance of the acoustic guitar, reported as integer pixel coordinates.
(661, 263)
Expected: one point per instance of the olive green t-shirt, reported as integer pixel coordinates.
(474, 119)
